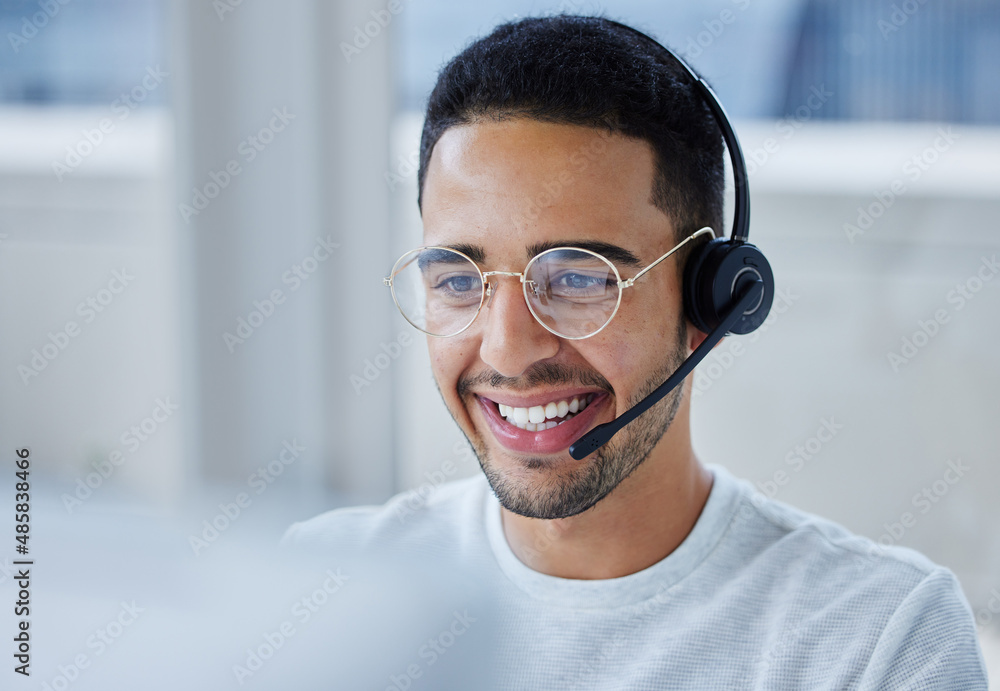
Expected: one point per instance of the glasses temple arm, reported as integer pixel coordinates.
(704, 231)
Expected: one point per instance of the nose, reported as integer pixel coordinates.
(512, 340)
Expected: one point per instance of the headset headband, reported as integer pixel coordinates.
(741, 208)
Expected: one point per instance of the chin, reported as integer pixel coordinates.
(550, 486)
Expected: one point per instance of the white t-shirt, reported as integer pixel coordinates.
(759, 595)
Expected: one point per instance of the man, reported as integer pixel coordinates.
(553, 150)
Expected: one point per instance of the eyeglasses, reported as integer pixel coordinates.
(571, 291)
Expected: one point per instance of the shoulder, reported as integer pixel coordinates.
(429, 517)
(801, 543)
(895, 613)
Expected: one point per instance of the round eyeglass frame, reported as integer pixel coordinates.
(487, 288)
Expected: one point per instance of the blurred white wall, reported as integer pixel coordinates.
(265, 176)
(74, 392)
(269, 109)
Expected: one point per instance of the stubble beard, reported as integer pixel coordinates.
(540, 489)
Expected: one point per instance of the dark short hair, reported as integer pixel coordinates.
(589, 71)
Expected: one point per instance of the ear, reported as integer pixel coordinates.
(695, 337)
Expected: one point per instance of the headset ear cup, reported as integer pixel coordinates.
(741, 266)
(717, 273)
(698, 286)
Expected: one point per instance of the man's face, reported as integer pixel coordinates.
(505, 190)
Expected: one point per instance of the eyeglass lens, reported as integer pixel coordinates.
(572, 292)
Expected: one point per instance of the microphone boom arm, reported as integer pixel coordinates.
(601, 435)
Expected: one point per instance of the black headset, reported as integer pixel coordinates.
(728, 286)
(721, 269)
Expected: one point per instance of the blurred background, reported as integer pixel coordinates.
(198, 201)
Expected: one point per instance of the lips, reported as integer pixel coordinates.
(526, 426)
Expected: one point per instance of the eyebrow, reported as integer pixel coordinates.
(474, 252)
(615, 253)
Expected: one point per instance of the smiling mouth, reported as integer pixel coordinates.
(542, 417)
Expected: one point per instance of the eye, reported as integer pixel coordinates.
(459, 284)
(581, 285)
(578, 281)
(456, 289)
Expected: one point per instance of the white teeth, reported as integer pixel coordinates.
(542, 417)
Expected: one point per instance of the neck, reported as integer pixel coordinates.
(639, 523)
